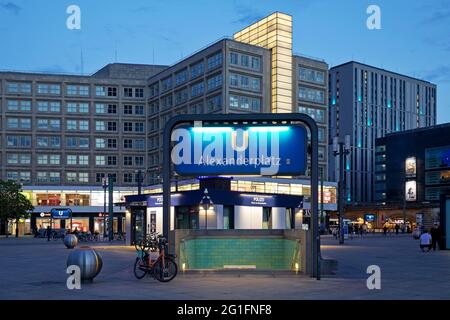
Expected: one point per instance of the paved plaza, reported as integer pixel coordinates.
(35, 269)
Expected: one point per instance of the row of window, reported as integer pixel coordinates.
(311, 75)
(245, 82)
(246, 61)
(73, 90)
(55, 177)
(73, 107)
(73, 142)
(182, 76)
(311, 95)
(82, 160)
(245, 103)
(73, 125)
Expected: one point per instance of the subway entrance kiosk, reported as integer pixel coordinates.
(236, 145)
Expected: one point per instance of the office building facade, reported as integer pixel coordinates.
(61, 135)
(367, 103)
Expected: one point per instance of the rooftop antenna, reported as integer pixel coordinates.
(115, 51)
(81, 60)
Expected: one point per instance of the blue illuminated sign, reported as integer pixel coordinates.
(60, 213)
(369, 217)
(256, 150)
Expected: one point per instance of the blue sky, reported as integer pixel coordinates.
(414, 39)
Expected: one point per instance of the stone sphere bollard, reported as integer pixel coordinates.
(70, 241)
(89, 261)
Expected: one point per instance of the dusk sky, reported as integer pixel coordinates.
(414, 38)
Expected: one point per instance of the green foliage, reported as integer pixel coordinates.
(13, 204)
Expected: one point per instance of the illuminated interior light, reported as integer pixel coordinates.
(211, 129)
(269, 129)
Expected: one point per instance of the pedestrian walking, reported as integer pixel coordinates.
(425, 241)
(435, 236)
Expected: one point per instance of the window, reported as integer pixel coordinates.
(139, 144)
(45, 88)
(214, 103)
(100, 108)
(154, 90)
(112, 126)
(48, 142)
(83, 160)
(127, 143)
(128, 109)
(55, 177)
(73, 107)
(139, 127)
(101, 91)
(71, 176)
(139, 92)
(112, 160)
(245, 60)
(42, 176)
(19, 123)
(84, 142)
(46, 106)
(71, 124)
(244, 103)
(166, 84)
(312, 95)
(139, 110)
(139, 161)
(128, 126)
(128, 92)
(127, 177)
(112, 109)
(100, 160)
(316, 114)
(100, 125)
(18, 141)
(234, 101)
(71, 142)
(256, 104)
(19, 159)
(256, 63)
(18, 87)
(166, 101)
(112, 143)
(99, 177)
(127, 161)
(310, 75)
(234, 80)
(77, 90)
(234, 58)
(42, 159)
(197, 89)
(19, 105)
(71, 159)
(215, 61)
(100, 143)
(83, 125)
(214, 82)
(181, 96)
(197, 69)
(245, 82)
(55, 159)
(181, 77)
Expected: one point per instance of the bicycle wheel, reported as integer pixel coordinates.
(167, 272)
(140, 268)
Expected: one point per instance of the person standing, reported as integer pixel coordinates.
(435, 236)
(397, 228)
(49, 231)
(385, 229)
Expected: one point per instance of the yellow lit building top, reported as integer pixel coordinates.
(274, 32)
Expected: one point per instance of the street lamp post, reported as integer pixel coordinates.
(105, 186)
(341, 149)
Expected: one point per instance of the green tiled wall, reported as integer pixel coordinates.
(214, 253)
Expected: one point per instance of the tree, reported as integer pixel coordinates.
(13, 204)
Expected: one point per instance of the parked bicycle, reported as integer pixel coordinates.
(163, 268)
